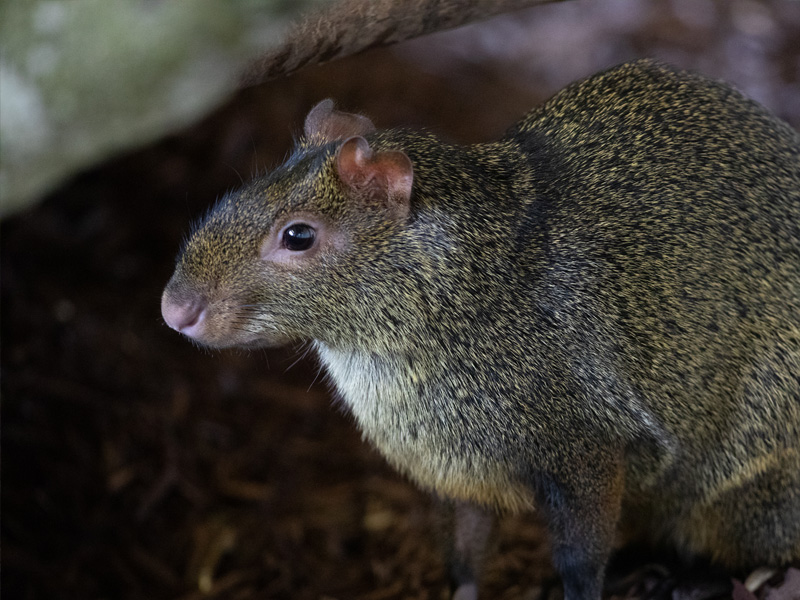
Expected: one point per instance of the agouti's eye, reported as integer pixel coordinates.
(299, 237)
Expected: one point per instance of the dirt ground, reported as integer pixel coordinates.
(136, 466)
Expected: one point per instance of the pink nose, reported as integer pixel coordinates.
(185, 317)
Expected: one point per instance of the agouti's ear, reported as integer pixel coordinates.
(382, 177)
(327, 124)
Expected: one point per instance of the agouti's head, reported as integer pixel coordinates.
(301, 253)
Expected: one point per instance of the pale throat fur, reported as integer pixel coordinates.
(378, 391)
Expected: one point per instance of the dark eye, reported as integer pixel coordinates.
(299, 237)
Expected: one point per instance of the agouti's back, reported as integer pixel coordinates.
(598, 315)
(671, 232)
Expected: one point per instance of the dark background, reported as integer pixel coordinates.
(138, 466)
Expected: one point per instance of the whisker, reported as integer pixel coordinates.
(299, 358)
(235, 171)
(320, 370)
(266, 356)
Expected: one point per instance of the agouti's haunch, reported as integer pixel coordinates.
(598, 315)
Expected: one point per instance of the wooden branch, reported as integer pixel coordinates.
(350, 26)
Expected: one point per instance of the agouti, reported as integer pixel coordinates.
(597, 316)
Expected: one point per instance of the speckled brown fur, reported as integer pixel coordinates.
(598, 315)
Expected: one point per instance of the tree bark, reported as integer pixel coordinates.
(350, 26)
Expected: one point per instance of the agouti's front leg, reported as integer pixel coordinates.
(465, 530)
(582, 509)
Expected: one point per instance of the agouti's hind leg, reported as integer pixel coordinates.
(465, 530)
(756, 521)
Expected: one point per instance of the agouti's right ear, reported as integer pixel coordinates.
(326, 124)
(384, 178)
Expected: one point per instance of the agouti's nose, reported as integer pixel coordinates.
(188, 318)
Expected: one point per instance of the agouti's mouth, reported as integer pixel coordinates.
(213, 326)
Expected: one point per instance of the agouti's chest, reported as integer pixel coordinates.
(420, 434)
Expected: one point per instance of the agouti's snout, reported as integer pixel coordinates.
(186, 317)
